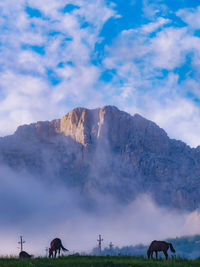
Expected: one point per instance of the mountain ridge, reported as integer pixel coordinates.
(110, 151)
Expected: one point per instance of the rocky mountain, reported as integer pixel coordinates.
(107, 151)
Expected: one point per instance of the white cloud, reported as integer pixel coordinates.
(179, 117)
(190, 16)
(50, 8)
(99, 17)
(170, 47)
(153, 26)
(150, 9)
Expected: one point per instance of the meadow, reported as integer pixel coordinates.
(94, 261)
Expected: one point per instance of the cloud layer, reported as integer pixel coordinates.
(41, 212)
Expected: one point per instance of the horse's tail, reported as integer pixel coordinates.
(64, 249)
(172, 248)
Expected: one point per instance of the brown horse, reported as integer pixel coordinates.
(156, 246)
(56, 245)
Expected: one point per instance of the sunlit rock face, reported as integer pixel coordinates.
(110, 152)
(81, 125)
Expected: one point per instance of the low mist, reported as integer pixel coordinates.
(40, 212)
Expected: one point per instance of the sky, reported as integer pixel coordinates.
(142, 56)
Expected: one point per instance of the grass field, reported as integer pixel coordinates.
(92, 261)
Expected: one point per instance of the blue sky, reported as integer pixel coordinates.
(142, 56)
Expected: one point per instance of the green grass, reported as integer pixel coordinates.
(92, 261)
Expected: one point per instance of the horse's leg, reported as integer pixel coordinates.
(156, 254)
(59, 252)
(166, 255)
(55, 253)
(152, 255)
(148, 254)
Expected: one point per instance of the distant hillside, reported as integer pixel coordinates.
(107, 151)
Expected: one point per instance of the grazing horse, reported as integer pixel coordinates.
(56, 245)
(24, 255)
(156, 246)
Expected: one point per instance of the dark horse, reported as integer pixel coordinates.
(159, 246)
(56, 245)
(24, 255)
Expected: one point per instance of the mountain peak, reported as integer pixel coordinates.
(111, 151)
(86, 126)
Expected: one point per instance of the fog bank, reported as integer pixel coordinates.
(40, 212)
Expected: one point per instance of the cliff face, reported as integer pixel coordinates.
(108, 151)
